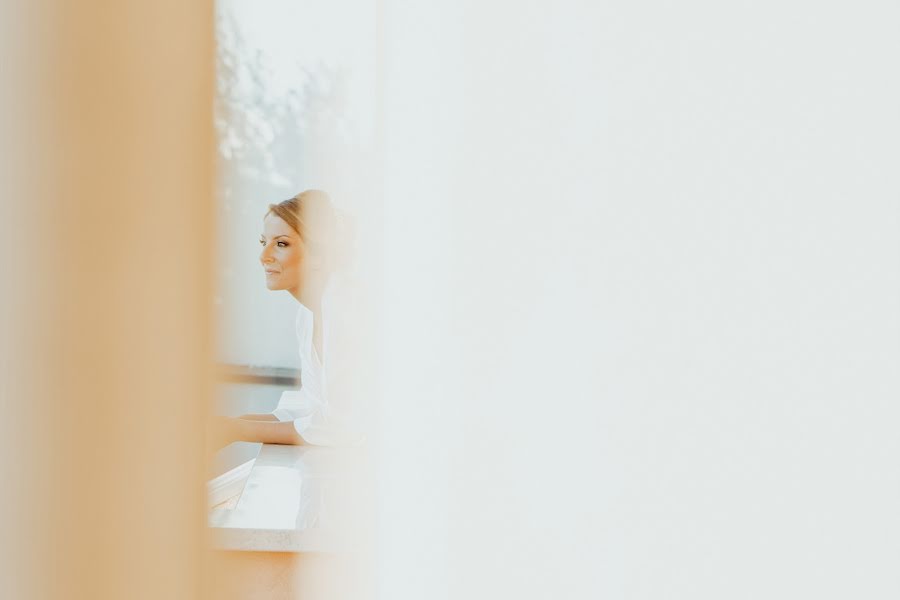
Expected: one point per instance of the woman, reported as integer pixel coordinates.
(297, 256)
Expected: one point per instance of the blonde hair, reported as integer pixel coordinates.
(312, 215)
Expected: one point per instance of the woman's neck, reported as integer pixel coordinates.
(311, 301)
(310, 295)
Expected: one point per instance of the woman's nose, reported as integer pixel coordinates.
(265, 256)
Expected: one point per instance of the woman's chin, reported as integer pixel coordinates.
(276, 285)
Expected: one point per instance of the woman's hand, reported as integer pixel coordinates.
(225, 430)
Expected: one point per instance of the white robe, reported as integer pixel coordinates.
(321, 419)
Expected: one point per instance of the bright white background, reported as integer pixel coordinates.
(295, 110)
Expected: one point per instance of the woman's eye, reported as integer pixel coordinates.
(282, 244)
(262, 242)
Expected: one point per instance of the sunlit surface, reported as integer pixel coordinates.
(285, 503)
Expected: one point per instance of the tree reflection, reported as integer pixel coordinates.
(269, 122)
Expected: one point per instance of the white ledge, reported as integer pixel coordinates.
(282, 499)
(229, 485)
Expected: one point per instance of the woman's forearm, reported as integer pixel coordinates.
(267, 432)
(259, 417)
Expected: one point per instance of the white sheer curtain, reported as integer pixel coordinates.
(641, 310)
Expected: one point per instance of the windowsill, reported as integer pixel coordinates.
(286, 500)
(248, 374)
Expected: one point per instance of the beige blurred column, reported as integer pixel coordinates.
(107, 235)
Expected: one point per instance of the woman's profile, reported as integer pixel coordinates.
(298, 249)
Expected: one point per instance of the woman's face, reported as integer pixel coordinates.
(282, 255)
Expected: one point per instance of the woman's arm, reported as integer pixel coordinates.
(229, 429)
(258, 417)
